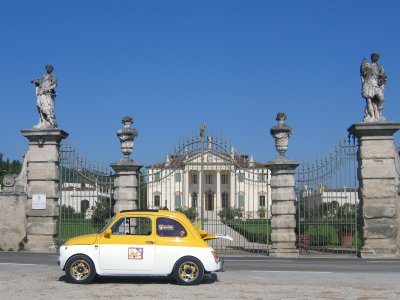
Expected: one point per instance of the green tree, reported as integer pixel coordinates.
(230, 213)
(7, 167)
(190, 212)
(102, 211)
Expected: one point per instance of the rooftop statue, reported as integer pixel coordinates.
(45, 97)
(373, 78)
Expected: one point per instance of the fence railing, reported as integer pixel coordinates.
(86, 194)
(327, 202)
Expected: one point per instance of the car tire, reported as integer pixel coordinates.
(188, 270)
(80, 269)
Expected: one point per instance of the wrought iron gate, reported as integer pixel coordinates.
(86, 194)
(217, 188)
(328, 220)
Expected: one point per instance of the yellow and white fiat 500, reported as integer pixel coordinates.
(142, 243)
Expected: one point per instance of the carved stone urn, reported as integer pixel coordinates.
(281, 134)
(127, 136)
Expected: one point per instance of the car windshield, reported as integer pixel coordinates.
(108, 221)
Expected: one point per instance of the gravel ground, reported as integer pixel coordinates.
(48, 282)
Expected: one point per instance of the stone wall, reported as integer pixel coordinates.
(12, 221)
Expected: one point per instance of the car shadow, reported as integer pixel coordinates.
(207, 279)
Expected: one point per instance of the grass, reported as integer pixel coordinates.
(71, 229)
(256, 231)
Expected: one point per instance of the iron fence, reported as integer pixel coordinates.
(328, 219)
(218, 189)
(86, 194)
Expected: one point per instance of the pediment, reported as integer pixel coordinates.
(210, 157)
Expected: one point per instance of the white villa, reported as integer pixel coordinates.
(230, 180)
(323, 194)
(81, 196)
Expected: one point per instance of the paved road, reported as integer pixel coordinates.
(37, 276)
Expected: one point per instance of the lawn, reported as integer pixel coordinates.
(71, 229)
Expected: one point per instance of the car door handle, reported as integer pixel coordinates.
(149, 242)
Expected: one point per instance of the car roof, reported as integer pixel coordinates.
(151, 212)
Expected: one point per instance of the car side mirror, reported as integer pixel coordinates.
(107, 233)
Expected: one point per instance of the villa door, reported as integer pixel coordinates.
(209, 201)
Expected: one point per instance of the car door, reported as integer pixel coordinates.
(130, 248)
(172, 242)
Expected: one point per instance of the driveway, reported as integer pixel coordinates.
(36, 276)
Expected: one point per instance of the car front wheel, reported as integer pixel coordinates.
(188, 270)
(80, 269)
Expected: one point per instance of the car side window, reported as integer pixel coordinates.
(169, 227)
(132, 226)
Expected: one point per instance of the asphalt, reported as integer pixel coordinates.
(36, 276)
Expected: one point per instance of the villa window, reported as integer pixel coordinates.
(157, 200)
(262, 200)
(84, 206)
(194, 200)
(178, 201)
(178, 177)
(224, 199)
(241, 177)
(157, 176)
(262, 177)
(241, 200)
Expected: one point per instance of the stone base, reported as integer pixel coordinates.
(41, 243)
(284, 252)
(366, 252)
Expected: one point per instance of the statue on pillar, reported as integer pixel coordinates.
(45, 97)
(127, 136)
(281, 134)
(373, 78)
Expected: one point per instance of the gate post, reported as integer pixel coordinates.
(283, 197)
(378, 188)
(43, 187)
(125, 185)
(126, 170)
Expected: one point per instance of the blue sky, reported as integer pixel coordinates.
(174, 64)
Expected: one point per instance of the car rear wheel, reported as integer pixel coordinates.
(188, 270)
(80, 269)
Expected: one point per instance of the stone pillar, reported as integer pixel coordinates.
(126, 170)
(378, 188)
(283, 197)
(125, 185)
(283, 209)
(43, 187)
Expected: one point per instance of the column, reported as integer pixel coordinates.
(186, 188)
(218, 202)
(378, 188)
(43, 187)
(199, 195)
(232, 184)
